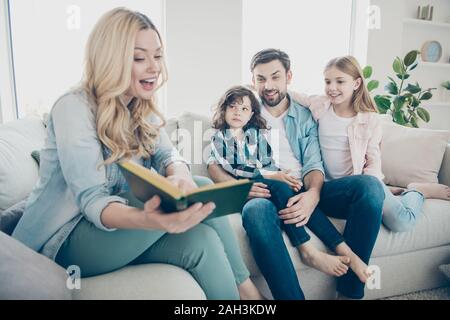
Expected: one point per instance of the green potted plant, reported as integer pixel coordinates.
(372, 84)
(446, 91)
(402, 100)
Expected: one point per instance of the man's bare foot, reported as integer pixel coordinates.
(359, 268)
(356, 264)
(329, 264)
(431, 190)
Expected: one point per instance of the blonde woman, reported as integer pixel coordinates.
(78, 213)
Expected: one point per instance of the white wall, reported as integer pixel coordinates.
(204, 56)
(296, 27)
(396, 38)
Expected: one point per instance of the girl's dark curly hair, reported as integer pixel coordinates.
(236, 95)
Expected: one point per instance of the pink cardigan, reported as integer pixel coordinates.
(364, 135)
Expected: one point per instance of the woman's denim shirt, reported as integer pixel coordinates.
(71, 183)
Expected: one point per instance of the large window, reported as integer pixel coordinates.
(311, 32)
(48, 41)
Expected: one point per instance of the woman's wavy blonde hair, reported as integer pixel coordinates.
(361, 99)
(107, 76)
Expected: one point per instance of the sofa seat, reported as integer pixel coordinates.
(408, 261)
(141, 282)
(431, 231)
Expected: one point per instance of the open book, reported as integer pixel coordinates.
(229, 197)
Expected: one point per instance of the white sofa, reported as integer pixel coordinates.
(407, 261)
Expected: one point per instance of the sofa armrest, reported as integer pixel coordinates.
(26, 274)
(444, 172)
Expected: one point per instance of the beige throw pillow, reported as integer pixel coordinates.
(194, 137)
(18, 171)
(411, 154)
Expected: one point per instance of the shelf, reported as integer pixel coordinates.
(436, 104)
(427, 23)
(434, 64)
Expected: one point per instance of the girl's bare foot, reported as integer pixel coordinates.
(248, 291)
(329, 264)
(431, 190)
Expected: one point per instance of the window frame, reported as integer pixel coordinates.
(8, 93)
(9, 107)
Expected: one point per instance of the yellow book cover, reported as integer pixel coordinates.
(229, 197)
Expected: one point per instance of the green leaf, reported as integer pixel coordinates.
(446, 85)
(410, 57)
(408, 95)
(414, 122)
(392, 88)
(423, 114)
(415, 102)
(411, 68)
(426, 96)
(372, 85)
(367, 72)
(413, 88)
(392, 80)
(403, 76)
(398, 117)
(397, 65)
(412, 114)
(405, 117)
(399, 102)
(383, 103)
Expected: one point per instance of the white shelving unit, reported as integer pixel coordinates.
(402, 32)
(434, 64)
(426, 23)
(415, 33)
(429, 74)
(436, 104)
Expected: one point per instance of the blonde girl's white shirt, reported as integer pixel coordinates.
(364, 133)
(281, 149)
(335, 146)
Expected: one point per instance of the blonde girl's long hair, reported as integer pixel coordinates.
(107, 76)
(361, 99)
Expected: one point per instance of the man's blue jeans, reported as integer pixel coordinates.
(358, 199)
(318, 223)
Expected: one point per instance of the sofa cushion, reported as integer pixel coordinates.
(36, 155)
(431, 231)
(25, 274)
(11, 216)
(194, 136)
(445, 269)
(18, 170)
(411, 154)
(444, 172)
(146, 281)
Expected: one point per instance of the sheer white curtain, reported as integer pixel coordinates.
(310, 32)
(48, 40)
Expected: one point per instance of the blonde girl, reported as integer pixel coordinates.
(350, 136)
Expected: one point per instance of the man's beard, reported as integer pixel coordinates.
(275, 102)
